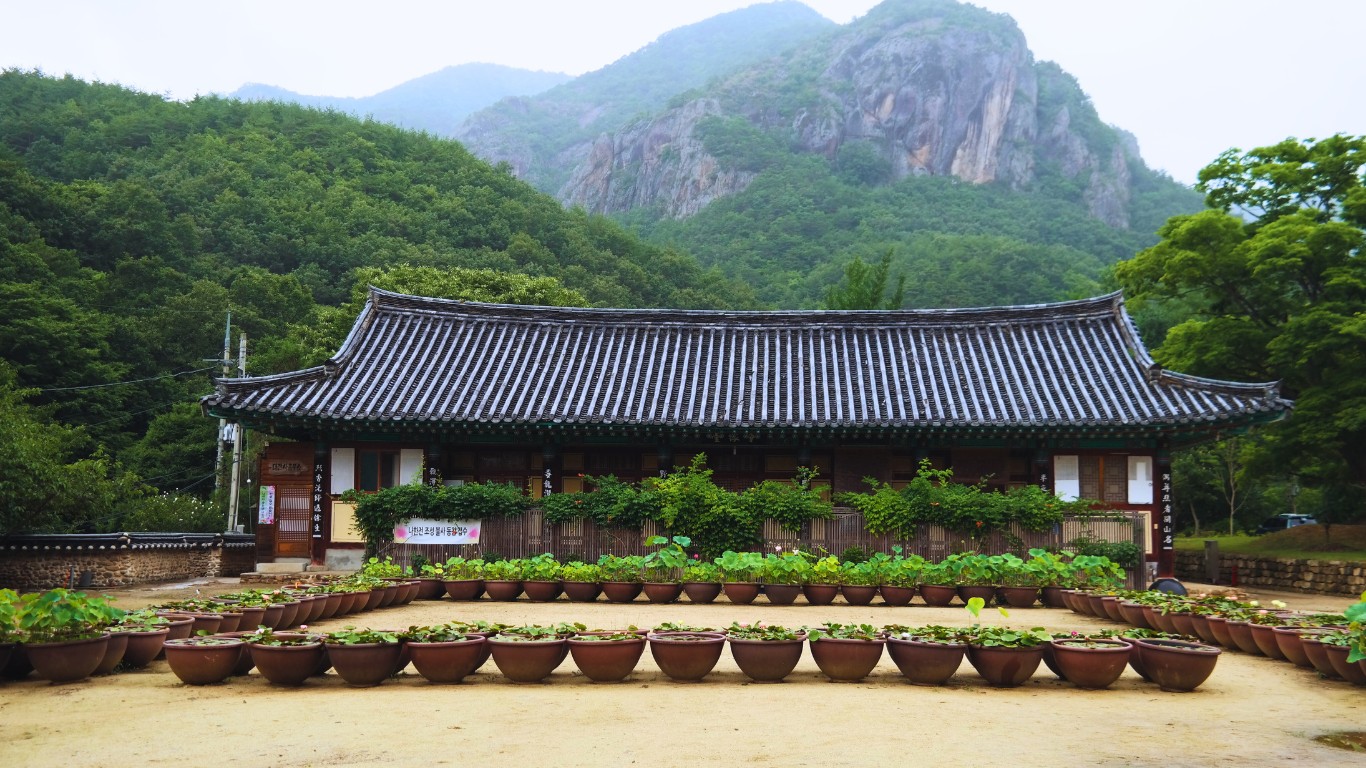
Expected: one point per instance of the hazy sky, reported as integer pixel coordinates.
(1190, 78)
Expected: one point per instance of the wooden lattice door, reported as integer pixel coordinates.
(293, 522)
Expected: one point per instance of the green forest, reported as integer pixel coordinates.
(130, 225)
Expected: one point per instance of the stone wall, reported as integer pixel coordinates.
(48, 564)
(1325, 577)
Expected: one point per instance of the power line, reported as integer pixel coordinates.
(132, 381)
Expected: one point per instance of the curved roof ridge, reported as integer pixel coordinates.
(383, 300)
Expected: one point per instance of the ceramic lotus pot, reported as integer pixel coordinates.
(503, 590)
(606, 661)
(1290, 645)
(740, 592)
(1109, 605)
(1241, 633)
(621, 591)
(203, 660)
(364, 665)
(1019, 597)
(766, 661)
(846, 659)
(1176, 665)
(1091, 663)
(686, 656)
(1203, 630)
(895, 596)
(288, 665)
(820, 594)
(464, 589)
(782, 594)
(143, 647)
(938, 595)
(702, 591)
(858, 594)
(1004, 667)
(68, 661)
(1218, 626)
(448, 662)
(582, 591)
(1052, 597)
(662, 592)
(113, 654)
(1317, 654)
(1350, 671)
(542, 591)
(429, 588)
(1133, 614)
(926, 663)
(1264, 635)
(526, 661)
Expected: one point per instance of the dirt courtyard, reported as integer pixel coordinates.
(1252, 711)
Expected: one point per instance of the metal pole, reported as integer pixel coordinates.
(237, 446)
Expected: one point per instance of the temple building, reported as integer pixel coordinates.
(1062, 395)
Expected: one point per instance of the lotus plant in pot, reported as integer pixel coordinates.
(581, 581)
(846, 652)
(528, 654)
(620, 577)
(685, 653)
(1004, 656)
(740, 575)
(927, 655)
(765, 653)
(363, 657)
(937, 586)
(823, 582)
(607, 656)
(541, 578)
(900, 575)
(859, 582)
(464, 579)
(286, 658)
(701, 581)
(503, 579)
(204, 659)
(782, 575)
(1089, 662)
(146, 632)
(66, 634)
(444, 653)
(661, 571)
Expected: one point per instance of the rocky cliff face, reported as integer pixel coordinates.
(936, 88)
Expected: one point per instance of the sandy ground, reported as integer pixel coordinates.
(1253, 711)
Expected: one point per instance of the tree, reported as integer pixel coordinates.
(865, 286)
(1278, 293)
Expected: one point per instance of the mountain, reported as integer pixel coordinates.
(543, 137)
(925, 128)
(915, 87)
(434, 103)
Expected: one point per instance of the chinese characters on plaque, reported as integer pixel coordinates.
(1167, 510)
(318, 472)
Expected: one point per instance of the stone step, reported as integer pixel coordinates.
(281, 567)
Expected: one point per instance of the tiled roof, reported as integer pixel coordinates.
(421, 362)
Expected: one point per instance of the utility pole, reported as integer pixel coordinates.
(226, 360)
(237, 434)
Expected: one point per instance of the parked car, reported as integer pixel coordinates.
(1283, 521)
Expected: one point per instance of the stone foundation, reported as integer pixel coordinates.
(1323, 577)
(31, 563)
